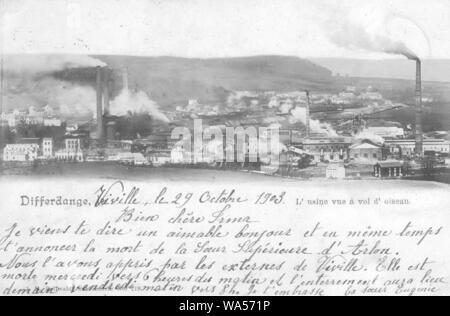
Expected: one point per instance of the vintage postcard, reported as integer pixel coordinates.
(207, 148)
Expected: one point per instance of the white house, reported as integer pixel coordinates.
(72, 152)
(52, 122)
(20, 152)
(47, 148)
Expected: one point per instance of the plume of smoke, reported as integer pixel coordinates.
(73, 99)
(68, 99)
(299, 115)
(366, 135)
(28, 83)
(136, 102)
(350, 35)
(47, 63)
(285, 108)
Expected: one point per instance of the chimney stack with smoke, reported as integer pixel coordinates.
(308, 115)
(99, 89)
(419, 109)
(352, 35)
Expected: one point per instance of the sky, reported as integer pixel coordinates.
(218, 28)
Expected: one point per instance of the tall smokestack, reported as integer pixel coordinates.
(106, 91)
(99, 104)
(308, 115)
(419, 109)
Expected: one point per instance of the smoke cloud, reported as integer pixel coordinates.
(370, 136)
(66, 98)
(29, 82)
(347, 34)
(47, 63)
(299, 115)
(285, 108)
(136, 103)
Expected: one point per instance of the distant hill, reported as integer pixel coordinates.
(432, 69)
(37, 80)
(171, 79)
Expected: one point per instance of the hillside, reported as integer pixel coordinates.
(38, 80)
(170, 79)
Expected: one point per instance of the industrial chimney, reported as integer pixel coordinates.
(99, 90)
(308, 115)
(419, 109)
(106, 92)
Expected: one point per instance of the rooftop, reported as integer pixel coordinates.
(328, 140)
(365, 144)
(390, 164)
(28, 141)
(425, 140)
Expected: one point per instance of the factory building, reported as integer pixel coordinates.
(366, 152)
(406, 147)
(333, 149)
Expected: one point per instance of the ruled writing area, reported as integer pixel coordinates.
(121, 237)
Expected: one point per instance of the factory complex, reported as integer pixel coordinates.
(305, 144)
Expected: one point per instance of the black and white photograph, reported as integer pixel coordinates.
(224, 152)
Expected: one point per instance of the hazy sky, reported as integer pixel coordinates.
(220, 28)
